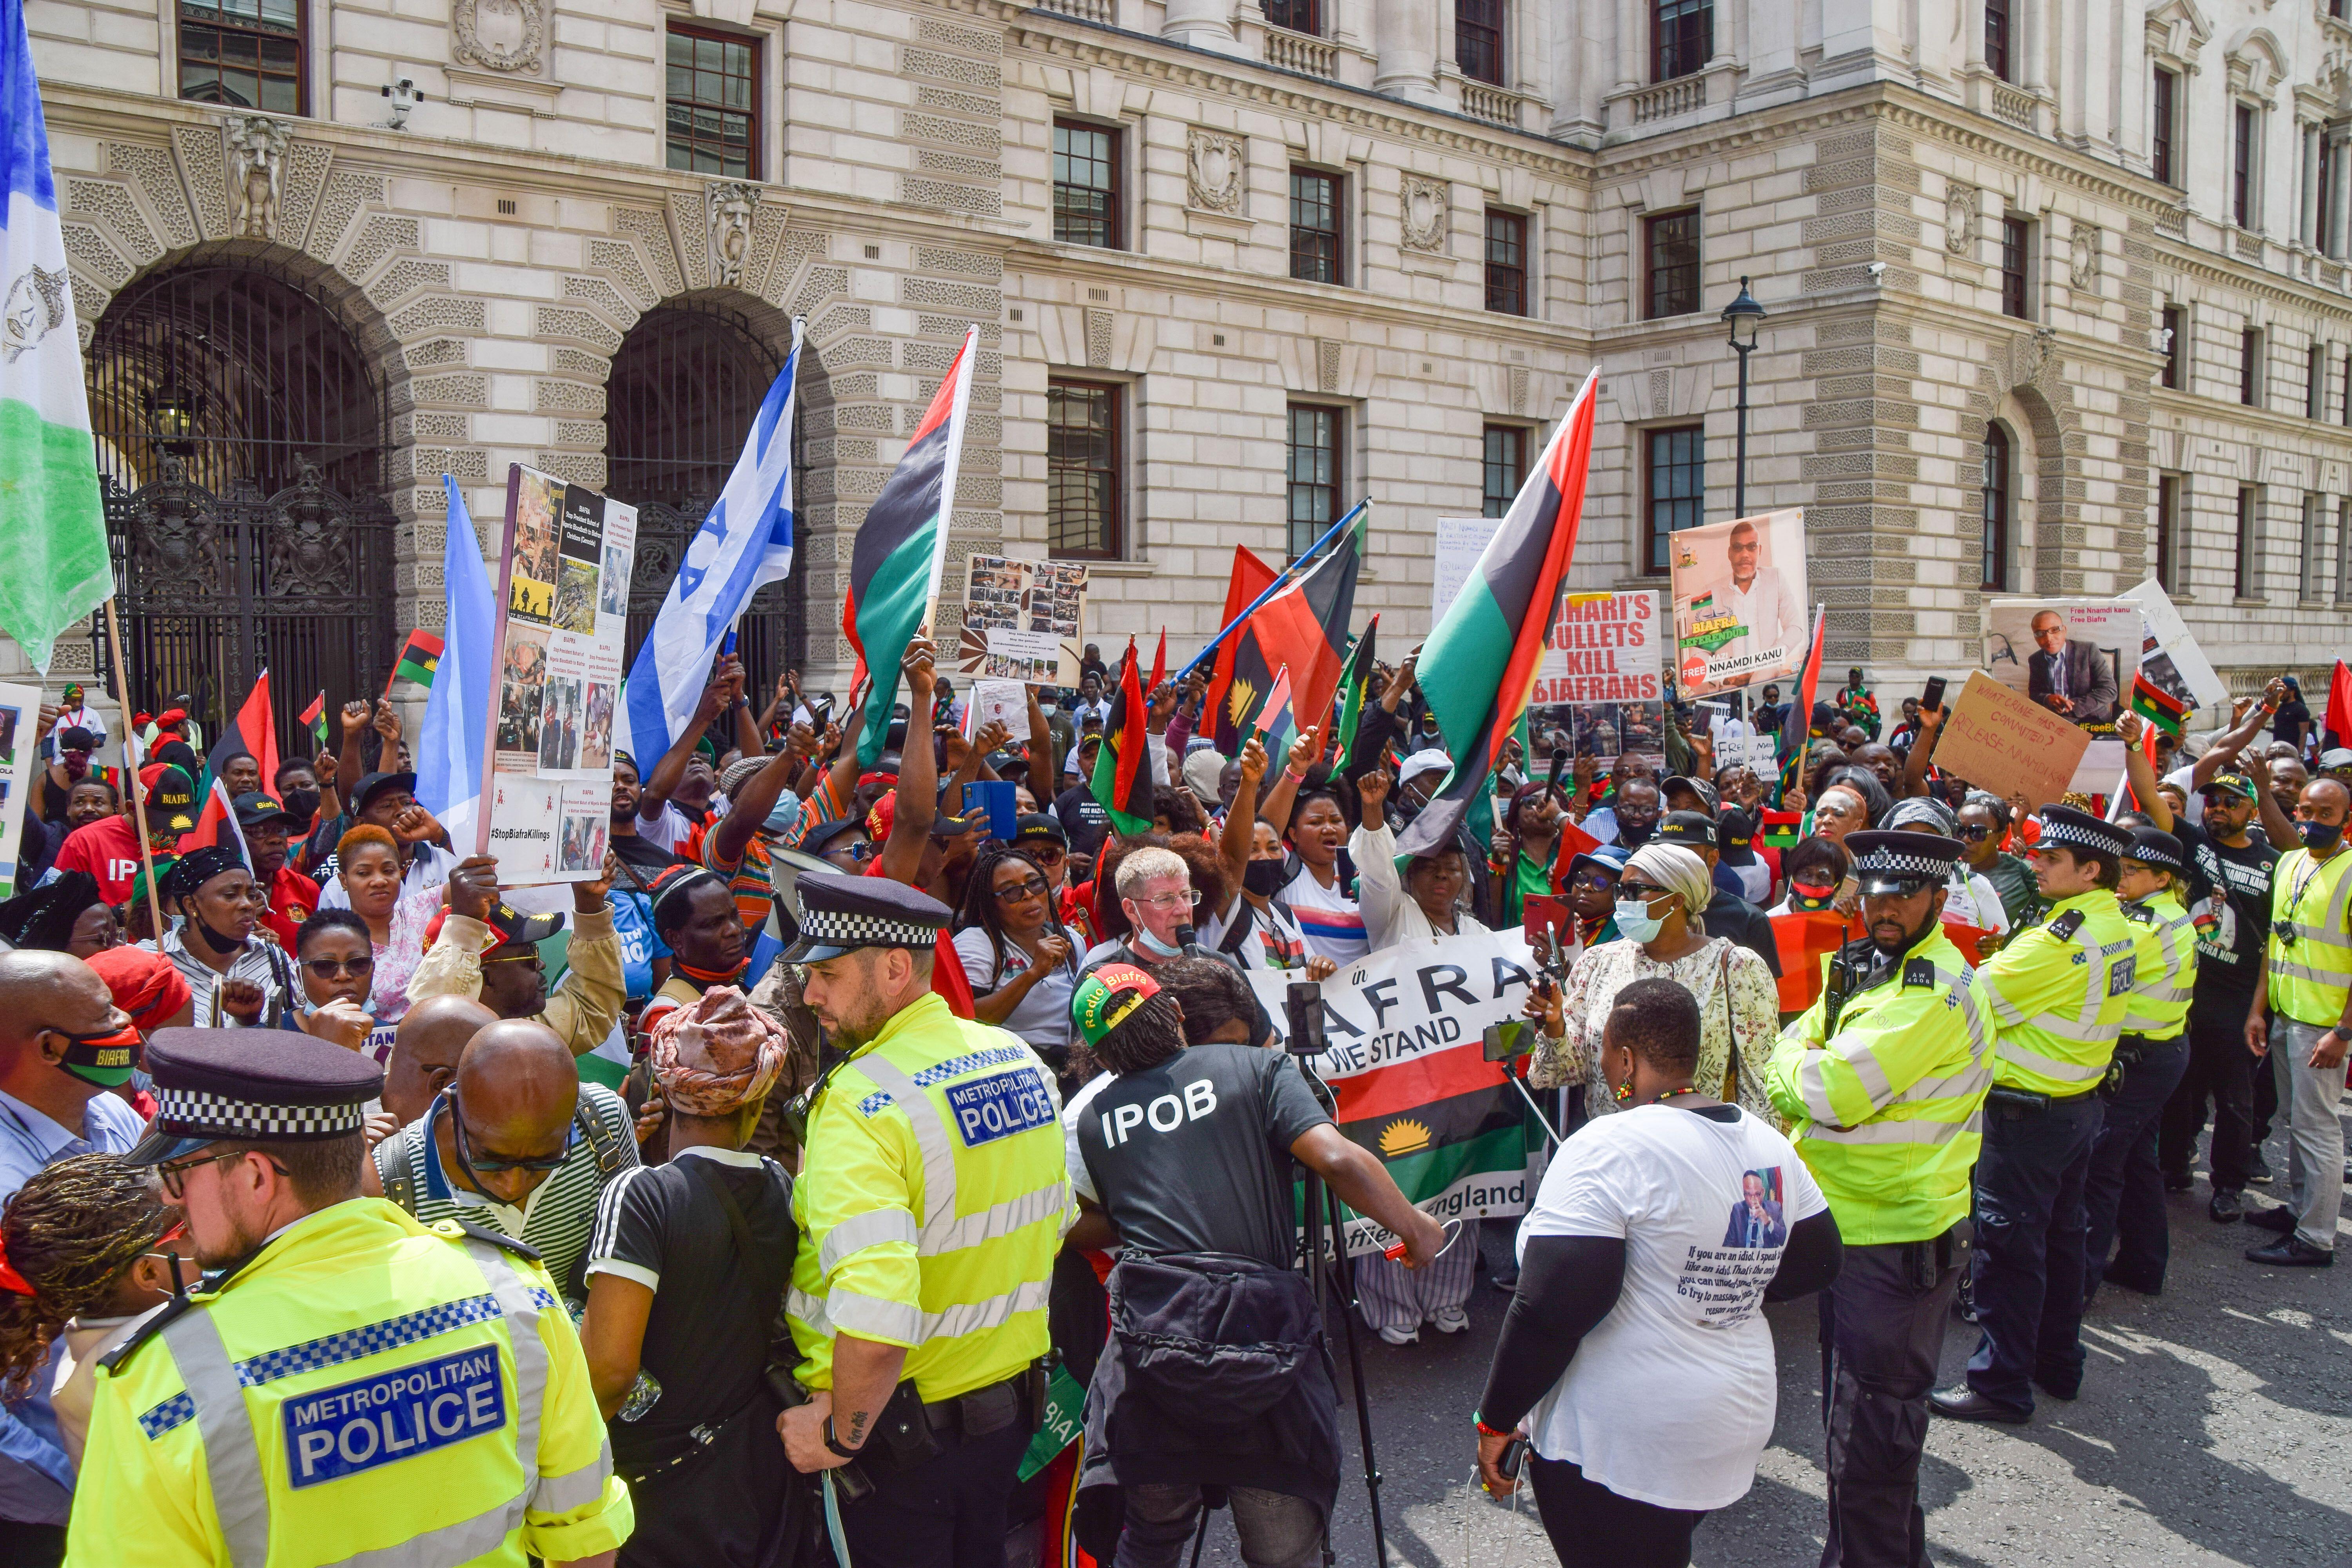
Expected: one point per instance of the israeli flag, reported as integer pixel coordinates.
(457, 713)
(744, 544)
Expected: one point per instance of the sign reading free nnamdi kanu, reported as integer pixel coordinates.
(1408, 1064)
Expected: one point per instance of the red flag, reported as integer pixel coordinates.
(252, 733)
(2339, 704)
(1158, 665)
(1122, 775)
(217, 813)
(1250, 577)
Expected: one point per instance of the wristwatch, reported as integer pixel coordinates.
(832, 1446)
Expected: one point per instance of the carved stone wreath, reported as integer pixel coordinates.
(1423, 208)
(516, 37)
(1215, 167)
(1960, 207)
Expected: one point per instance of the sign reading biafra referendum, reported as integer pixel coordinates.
(1603, 648)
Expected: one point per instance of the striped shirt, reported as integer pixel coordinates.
(1328, 918)
(263, 961)
(559, 1213)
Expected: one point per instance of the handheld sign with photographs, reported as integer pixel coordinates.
(1603, 675)
(564, 566)
(1021, 620)
(1739, 601)
(2074, 658)
(20, 750)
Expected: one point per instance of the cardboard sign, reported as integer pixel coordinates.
(2002, 741)
(563, 613)
(1460, 541)
(1021, 620)
(2169, 656)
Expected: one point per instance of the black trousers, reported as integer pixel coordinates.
(2028, 1281)
(2222, 1073)
(1882, 1331)
(948, 1512)
(1592, 1526)
(2127, 1233)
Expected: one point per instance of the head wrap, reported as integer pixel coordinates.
(197, 867)
(145, 983)
(44, 918)
(1678, 871)
(717, 1054)
(1924, 815)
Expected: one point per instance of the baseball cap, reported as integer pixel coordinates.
(1687, 828)
(374, 785)
(2336, 757)
(510, 925)
(2238, 785)
(254, 808)
(1105, 997)
(1035, 827)
(171, 798)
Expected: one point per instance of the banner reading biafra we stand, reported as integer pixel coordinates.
(1408, 1064)
(563, 614)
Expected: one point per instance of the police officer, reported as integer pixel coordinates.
(2123, 1193)
(933, 1197)
(344, 1382)
(2058, 993)
(1883, 1082)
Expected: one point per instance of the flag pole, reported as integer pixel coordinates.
(1280, 582)
(138, 795)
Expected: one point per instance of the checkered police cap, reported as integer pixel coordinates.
(2062, 827)
(196, 1114)
(263, 1085)
(839, 913)
(1884, 860)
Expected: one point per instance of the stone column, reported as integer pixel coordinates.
(1202, 24)
(2306, 217)
(1404, 39)
(2339, 195)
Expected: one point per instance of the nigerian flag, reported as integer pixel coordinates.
(57, 567)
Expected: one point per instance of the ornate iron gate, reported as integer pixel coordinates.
(241, 438)
(679, 403)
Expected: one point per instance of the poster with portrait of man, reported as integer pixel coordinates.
(2074, 658)
(1739, 602)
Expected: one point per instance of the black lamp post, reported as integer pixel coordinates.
(1744, 316)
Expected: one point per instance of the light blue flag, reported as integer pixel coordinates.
(744, 545)
(457, 714)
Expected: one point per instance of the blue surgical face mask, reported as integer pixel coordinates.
(2319, 835)
(1634, 922)
(785, 814)
(1152, 945)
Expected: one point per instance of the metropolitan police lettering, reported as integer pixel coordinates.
(997, 1107)
(371, 1421)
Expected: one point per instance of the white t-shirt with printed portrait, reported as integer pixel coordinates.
(1670, 1399)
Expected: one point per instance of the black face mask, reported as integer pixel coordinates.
(1263, 877)
(302, 806)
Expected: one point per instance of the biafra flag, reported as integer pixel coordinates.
(1122, 776)
(1438, 1121)
(1305, 626)
(2158, 706)
(1355, 689)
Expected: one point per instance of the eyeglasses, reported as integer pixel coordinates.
(528, 955)
(1184, 901)
(494, 1165)
(175, 1177)
(1591, 880)
(1047, 853)
(1027, 888)
(336, 968)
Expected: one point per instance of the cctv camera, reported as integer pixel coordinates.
(404, 97)
(1877, 271)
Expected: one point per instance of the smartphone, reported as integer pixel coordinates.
(1546, 915)
(1932, 699)
(992, 799)
(1302, 1003)
(820, 715)
(1508, 1040)
(1514, 1455)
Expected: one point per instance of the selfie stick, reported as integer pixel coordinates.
(1303, 1010)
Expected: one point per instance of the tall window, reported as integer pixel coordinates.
(2250, 366)
(243, 53)
(1085, 184)
(1670, 263)
(1682, 37)
(1298, 16)
(1507, 262)
(2315, 382)
(2175, 346)
(1317, 228)
(1997, 38)
(1316, 450)
(2161, 125)
(1478, 39)
(1505, 466)
(2347, 389)
(2016, 250)
(714, 103)
(2244, 577)
(1993, 542)
(1084, 515)
(2241, 164)
(2167, 532)
(1674, 489)
(2307, 586)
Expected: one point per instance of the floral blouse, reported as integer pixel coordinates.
(397, 960)
(1750, 1019)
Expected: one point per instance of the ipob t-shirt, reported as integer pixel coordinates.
(1193, 1155)
(1670, 1399)
(2231, 928)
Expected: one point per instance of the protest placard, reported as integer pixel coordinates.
(20, 752)
(1998, 739)
(1021, 620)
(2170, 656)
(1460, 541)
(564, 565)
(2074, 658)
(1739, 601)
(1603, 675)
(1005, 700)
(1407, 1063)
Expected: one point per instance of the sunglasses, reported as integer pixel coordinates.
(1977, 835)
(1027, 888)
(336, 968)
(1643, 890)
(493, 1164)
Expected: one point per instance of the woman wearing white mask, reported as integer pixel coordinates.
(1658, 899)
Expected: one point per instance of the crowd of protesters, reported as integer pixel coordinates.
(633, 1122)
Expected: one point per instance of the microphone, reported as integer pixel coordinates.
(1558, 767)
(1189, 940)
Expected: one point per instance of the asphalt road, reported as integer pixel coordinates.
(2212, 1428)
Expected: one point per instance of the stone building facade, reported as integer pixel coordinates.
(1972, 223)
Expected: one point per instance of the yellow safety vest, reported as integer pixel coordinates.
(2311, 975)
(2059, 991)
(2163, 958)
(1887, 1111)
(365, 1388)
(933, 1197)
